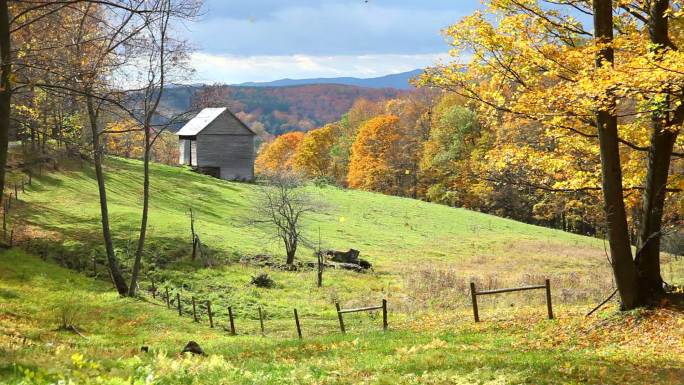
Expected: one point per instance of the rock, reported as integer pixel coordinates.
(365, 264)
(351, 256)
(194, 348)
(349, 266)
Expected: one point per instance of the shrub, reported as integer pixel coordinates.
(69, 311)
(263, 280)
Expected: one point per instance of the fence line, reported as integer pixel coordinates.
(474, 293)
(339, 310)
(166, 299)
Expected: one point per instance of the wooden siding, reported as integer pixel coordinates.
(234, 154)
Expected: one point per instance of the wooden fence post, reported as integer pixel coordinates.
(194, 310)
(180, 308)
(339, 316)
(261, 321)
(211, 318)
(384, 314)
(168, 299)
(299, 329)
(4, 220)
(549, 306)
(473, 294)
(232, 323)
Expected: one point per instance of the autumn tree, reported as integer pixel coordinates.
(361, 111)
(278, 155)
(415, 122)
(313, 157)
(582, 95)
(166, 59)
(445, 160)
(374, 155)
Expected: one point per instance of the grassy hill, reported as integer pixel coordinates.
(424, 257)
(418, 249)
(423, 254)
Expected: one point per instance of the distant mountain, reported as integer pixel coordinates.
(398, 81)
(272, 110)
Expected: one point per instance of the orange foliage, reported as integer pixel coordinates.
(278, 155)
(313, 157)
(373, 152)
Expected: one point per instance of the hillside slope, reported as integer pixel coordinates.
(424, 255)
(392, 232)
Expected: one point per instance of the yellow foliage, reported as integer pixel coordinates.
(533, 79)
(313, 157)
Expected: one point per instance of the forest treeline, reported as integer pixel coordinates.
(433, 146)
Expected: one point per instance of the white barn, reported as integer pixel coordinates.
(217, 143)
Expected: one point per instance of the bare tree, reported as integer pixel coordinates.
(281, 204)
(162, 50)
(110, 42)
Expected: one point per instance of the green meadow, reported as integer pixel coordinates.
(424, 256)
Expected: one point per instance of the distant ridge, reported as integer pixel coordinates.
(398, 81)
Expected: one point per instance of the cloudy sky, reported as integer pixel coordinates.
(260, 40)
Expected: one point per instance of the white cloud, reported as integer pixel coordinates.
(238, 69)
(326, 27)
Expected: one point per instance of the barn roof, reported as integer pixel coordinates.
(204, 119)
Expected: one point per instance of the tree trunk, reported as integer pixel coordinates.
(291, 250)
(112, 260)
(5, 90)
(614, 205)
(659, 156)
(143, 223)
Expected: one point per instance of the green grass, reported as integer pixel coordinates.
(424, 256)
(33, 293)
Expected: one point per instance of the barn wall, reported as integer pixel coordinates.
(234, 154)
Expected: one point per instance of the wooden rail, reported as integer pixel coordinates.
(382, 307)
(474, 293)
(371, 308)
